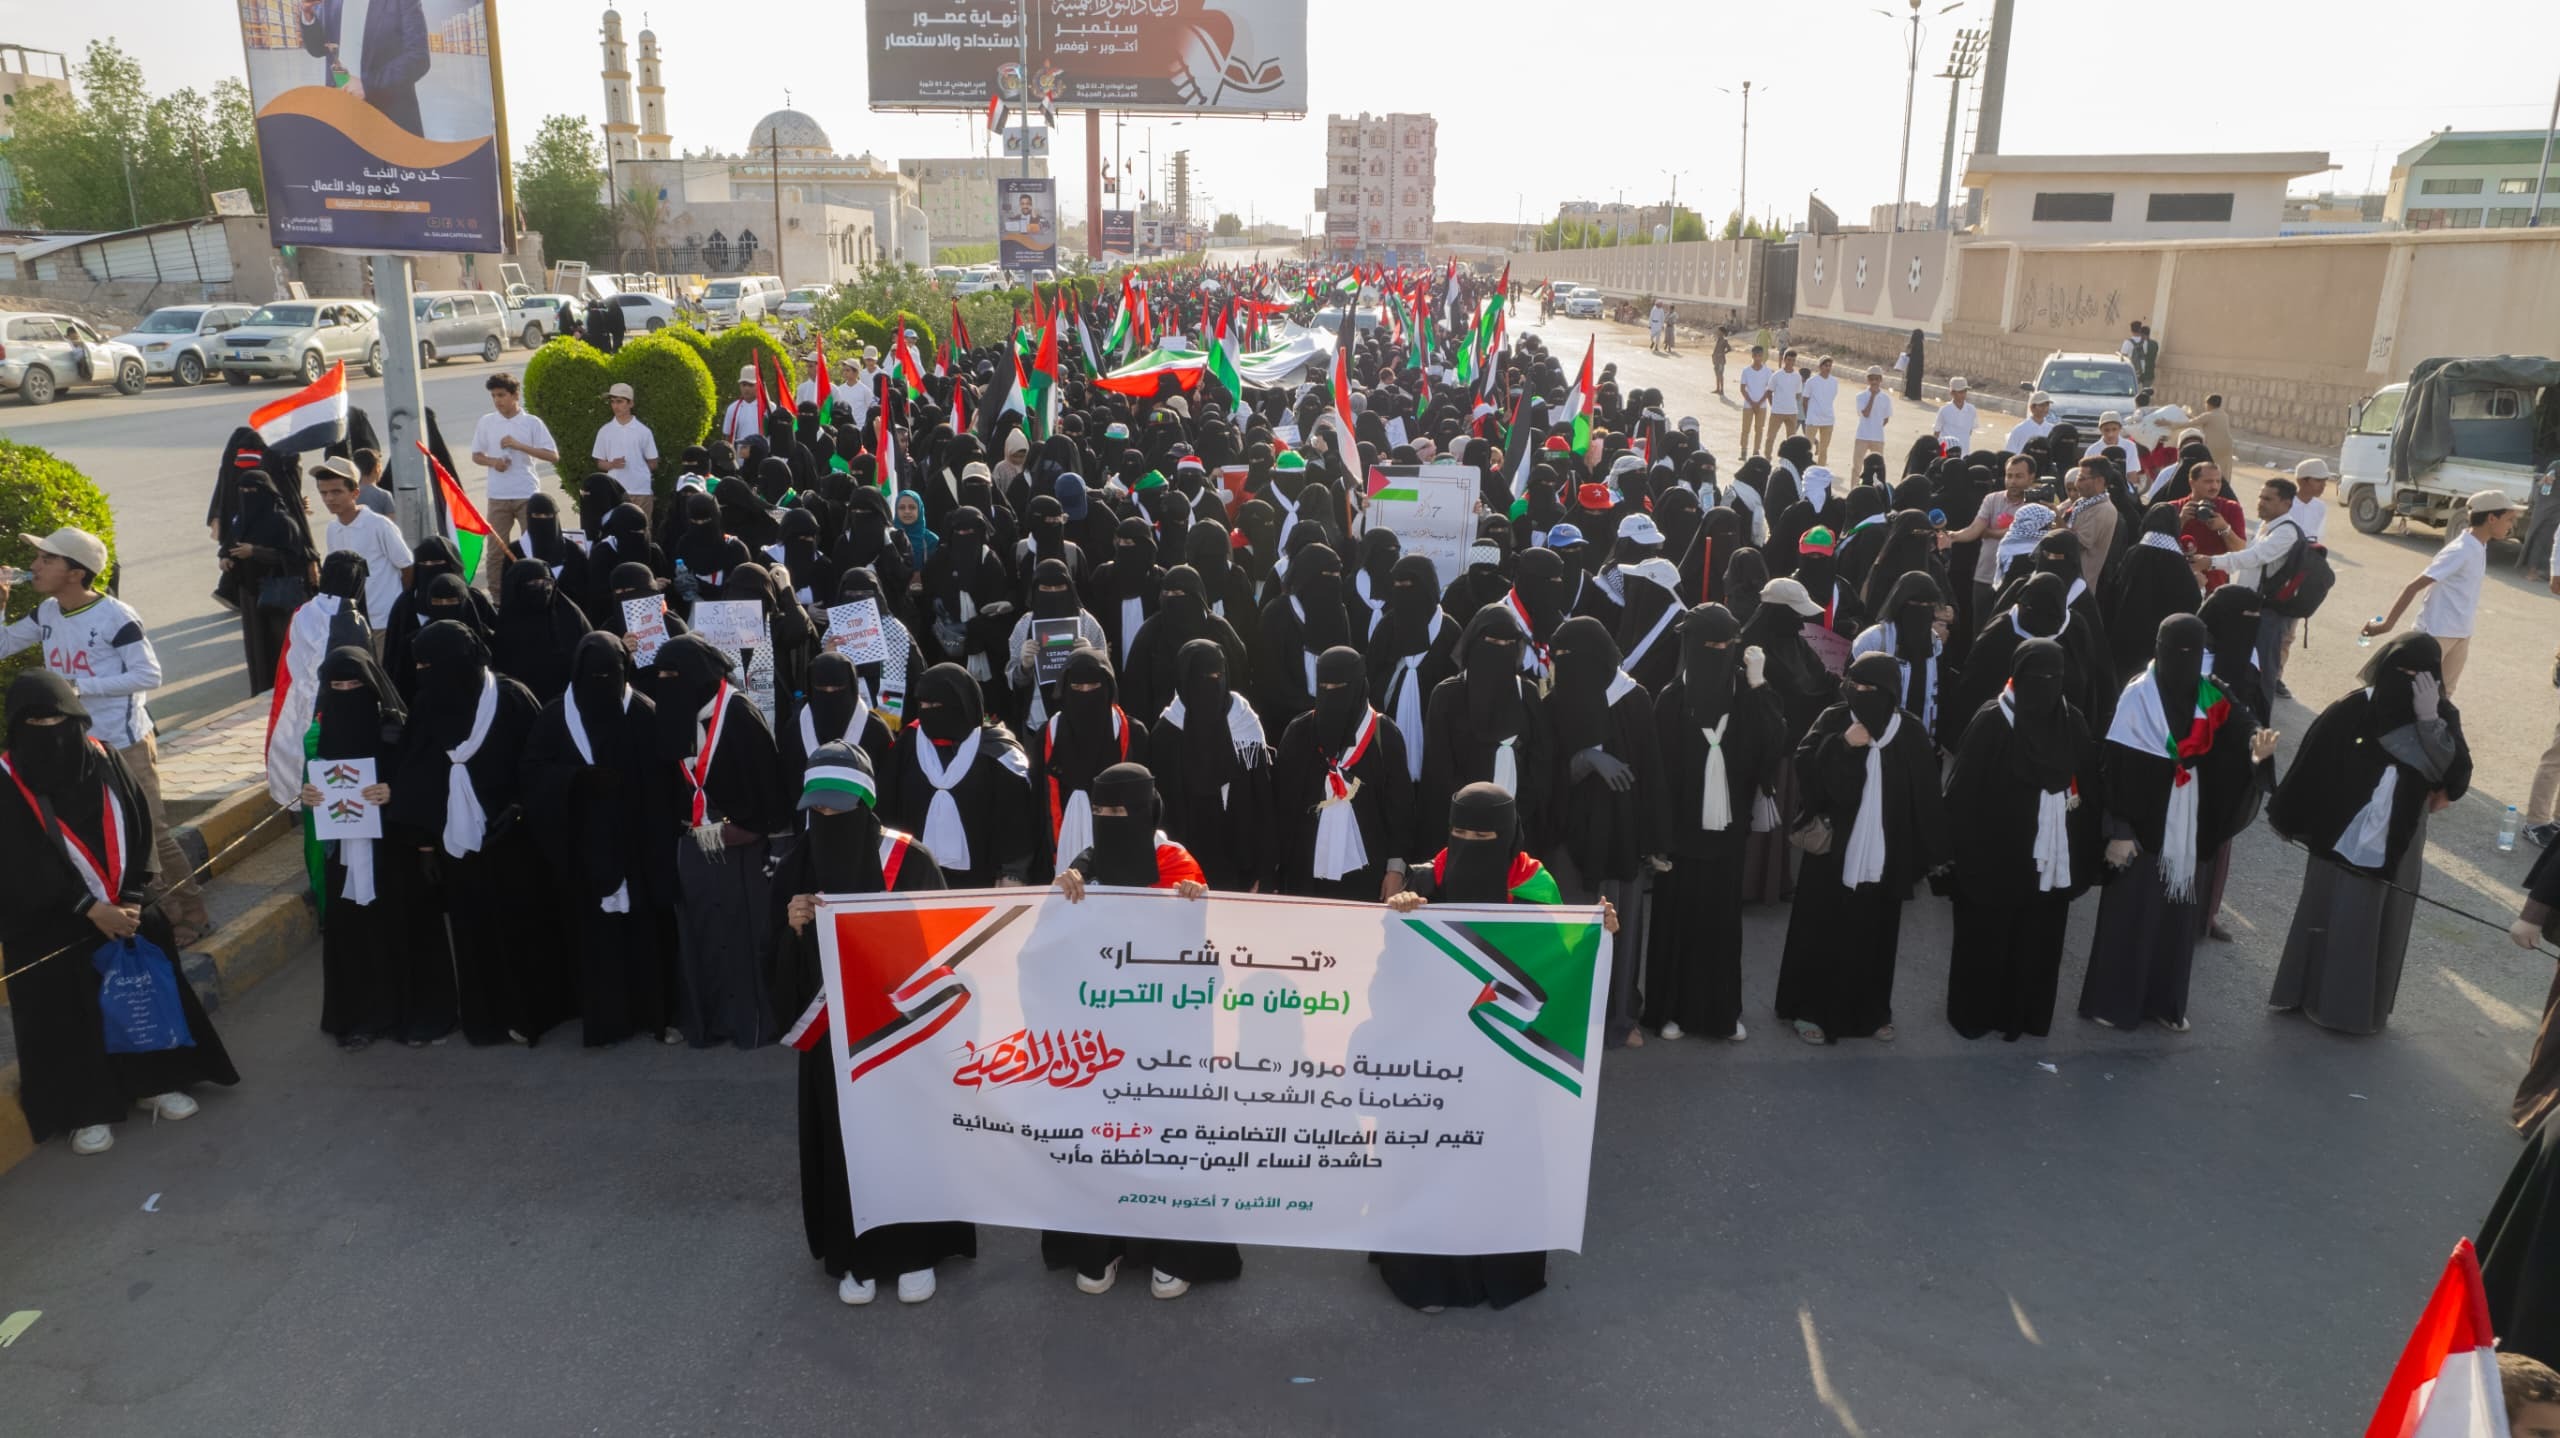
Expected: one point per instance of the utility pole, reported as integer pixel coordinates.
(2543, 179)
(1963, 63)
(132, 205)
(773, 138)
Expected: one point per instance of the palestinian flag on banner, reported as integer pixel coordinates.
(2446, 1383)
(1583, 402)
(1140, 378)
(895, 971)
(1222, 362)
(1536, 972)
(907, 369)
(313, 417)
(458, 521)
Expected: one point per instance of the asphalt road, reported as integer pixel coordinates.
(2228, 1231)
(156, 455)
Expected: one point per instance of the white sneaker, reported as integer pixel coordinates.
(1165, 1285)
(1739, 1032)
(172, 1105)
(856, 1291)
(1671, 1031)
(96, 1138)
(915, 1287)
(1110, 1275)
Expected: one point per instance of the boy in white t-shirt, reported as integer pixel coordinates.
(505, 444)
(625, 449)
(367, 534)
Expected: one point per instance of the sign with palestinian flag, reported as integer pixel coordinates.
(1239, 1068)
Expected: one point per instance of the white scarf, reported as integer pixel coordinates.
(1339, 850)
(1133, 616)
(2143, 726)
(2367, 840)
(852, 734)
(465, 825)
(1304, 652)
(2052, 851)
(619, 901)
(1506, 764)
(1404, 696)
(1669, 613)
(1377, 607)
(1715, 790)
(1862, 862)
(944, 834)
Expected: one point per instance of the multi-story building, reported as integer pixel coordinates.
(1380, 172)
(958, 196)
(2470, 180)
(22, 72)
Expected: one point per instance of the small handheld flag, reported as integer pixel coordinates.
(313, 417)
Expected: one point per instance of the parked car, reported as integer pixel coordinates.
(641, 312)
(736, 299)
(300, 339)
(2418, 450)
(178, 340)
(43, 354)
(459, 322)
(804, 301)
(536, 318)
(2085, 386)
(1582, 304)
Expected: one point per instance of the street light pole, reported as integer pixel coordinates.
(1910, 88)
(1962, 63)
(2543, 179)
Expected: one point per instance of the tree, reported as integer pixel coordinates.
(115, 156)
(644, 219)
(558, 183)
(1229, 226)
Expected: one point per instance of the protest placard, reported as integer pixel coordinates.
(1430, 507)
(646, 621)
(343, 812)
(853, 630)
(731, 624)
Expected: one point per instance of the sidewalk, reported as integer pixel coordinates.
(213, 785)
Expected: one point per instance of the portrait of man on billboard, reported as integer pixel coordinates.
(387, 40)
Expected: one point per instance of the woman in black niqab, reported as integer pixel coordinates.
(538, 627)
(267, 543)
(2154, 581)
(386, 970)
(1213, 768)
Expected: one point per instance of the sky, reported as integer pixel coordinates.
(1589, 105)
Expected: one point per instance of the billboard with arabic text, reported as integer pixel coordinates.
(1243, 57)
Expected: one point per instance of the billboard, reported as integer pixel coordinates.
(1246, 57)
(1120, 231)
(377, 123)
(1027, 223)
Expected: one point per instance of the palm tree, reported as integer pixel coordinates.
(645, 217)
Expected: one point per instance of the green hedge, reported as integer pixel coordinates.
(564, 385)
(673, 394)
(701, 342)
(731, 349)
(39, 494)
(862, 328)
(919, 333)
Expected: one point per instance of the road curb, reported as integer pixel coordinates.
(223, 825)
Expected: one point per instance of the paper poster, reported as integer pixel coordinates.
(1234, 481)
(1431, 508)
(853, 630)
(1286, 431)
(1239, 1068)
(646, 621)
(1056, 638)
(342, 812)
(732, 624)
(1395, 431)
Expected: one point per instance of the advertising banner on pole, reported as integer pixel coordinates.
(1027, 223)
(1120, 231)
(1238, 1068)
(1240, 57)
(377, 123)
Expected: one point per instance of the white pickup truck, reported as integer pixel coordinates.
(2421, 449)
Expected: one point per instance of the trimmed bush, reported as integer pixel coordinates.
(863, 328)
(733, 347)
(40, 493)
(673, 394)
(701, 342)
(564, 385)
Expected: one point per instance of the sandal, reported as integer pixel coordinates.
(1883, 1034)
(1810, 1032)
(187, 936)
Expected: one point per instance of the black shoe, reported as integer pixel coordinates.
(2541, 835)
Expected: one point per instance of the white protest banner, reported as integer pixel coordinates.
(646, 621)
(1395, 430)
(853, 630)
(731, 624)
(1431, 508)
(1239, 1068)
(342, 812)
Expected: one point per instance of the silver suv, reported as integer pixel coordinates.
(41, 354)
(179, 340)
(300, 339)
(452, 323)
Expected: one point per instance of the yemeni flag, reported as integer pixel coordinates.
(457, 520)
(907, 368)
(1223, 365)
(826, 385)
(2446, 1383)
(313, 417)
(996, 115)
(1579, 405)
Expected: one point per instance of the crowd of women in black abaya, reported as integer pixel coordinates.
(1700, 691)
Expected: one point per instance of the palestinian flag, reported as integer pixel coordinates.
(1340, 415)
(1118, 341)
(959, 341)
(1016, 400)
(1222, 363)
(458, 521)
(1040, 399)
(2446, 1382)
(313, 417)
(1536, 973)
(1583, 402)
(1139, 378)
(826, 386)
(907, 368)
(1146, 322)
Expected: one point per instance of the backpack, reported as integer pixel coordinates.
(2298, 588)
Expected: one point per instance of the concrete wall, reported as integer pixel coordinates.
(1710, 280)
(1895, 281)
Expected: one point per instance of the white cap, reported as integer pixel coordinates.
(2108, 416)
(1790, 593)
(1957, 383)
(747, 374)
(2312, 469)
(1659, 572)
(620, 391)
(77, 545)
(1640, 528)
(2039, 397)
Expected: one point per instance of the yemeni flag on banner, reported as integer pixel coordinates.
(826, 385)
(1222, 363)
(907, 369)
(1579, 406)
(2446, 1383)
(1535, 1003)
(457, 520)
(313, 417)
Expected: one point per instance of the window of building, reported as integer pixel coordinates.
(2449, 187)
(2198, 208)
(2510, 217)
(2516, 187)
(2074, 207)
(746, 247)
(2463, 219)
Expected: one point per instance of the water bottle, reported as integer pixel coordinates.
(2507, 831)
(2364, 640)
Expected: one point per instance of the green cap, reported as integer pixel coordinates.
(1152, 479)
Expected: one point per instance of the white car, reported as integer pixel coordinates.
(640, 312)
(2085, 386)
(536, 318)
(804, 301)
(1583, 303)
(177, 341)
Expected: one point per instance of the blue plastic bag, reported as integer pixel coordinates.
(138, 998)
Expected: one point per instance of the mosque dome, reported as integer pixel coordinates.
(796, 134)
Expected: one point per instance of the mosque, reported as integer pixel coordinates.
(840, 214)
